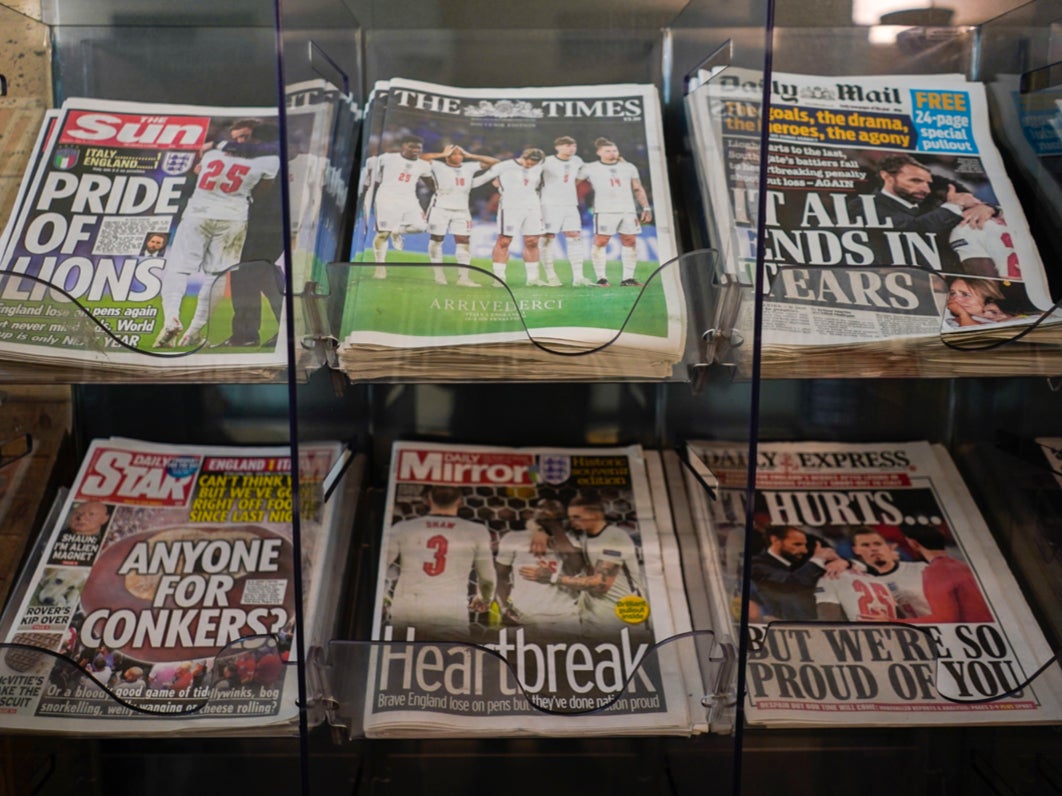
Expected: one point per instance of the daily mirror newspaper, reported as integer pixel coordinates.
(889, 214)
(547, 561)
(137, 215)
(558, 193)
(877, 594)
(165, 593)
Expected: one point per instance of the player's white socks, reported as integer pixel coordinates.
(576, 255)
(210, 294)
(532, 273)
(435, 248)
(629, 259)
(463, 255)
(597, 257)
(546, 255)
(499, 271)
(173, 287)
(379, 248)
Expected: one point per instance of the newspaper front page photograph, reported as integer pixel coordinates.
(165, 592)
(889, 213)
(137, 214)
(560, 194)
(548, 561)
(877, 594)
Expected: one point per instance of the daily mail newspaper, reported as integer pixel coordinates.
(889, 213)
(126, 195)
(568, 638)
(878, 596)
(559, 193)
(164, 594)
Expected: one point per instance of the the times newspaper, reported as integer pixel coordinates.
(568, 638)
(559, 194)
(889, 214)
(138, 214)
(877, 594)
(164, 593)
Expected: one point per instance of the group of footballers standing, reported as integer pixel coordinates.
(539, 201)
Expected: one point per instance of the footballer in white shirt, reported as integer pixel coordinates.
(452, 172)
(520, 211)
(560, 209)
(398, 209)
(436, 555)
(617, 186)
(213, 226)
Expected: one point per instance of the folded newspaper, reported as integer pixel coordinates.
(877, 594)
(890, 223)
(163, 596)
(147, 238)
(501, 231)
(549, 561)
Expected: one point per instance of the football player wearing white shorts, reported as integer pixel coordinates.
(398, 209)
(613, 569)
(520, 210)
(213, 227)
(560, 209)
(436, 555)
(617, 186)
(452, 171)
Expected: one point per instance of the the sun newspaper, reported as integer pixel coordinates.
(124, 196)
(559, 194)
(888, 216)
(877, 594)
(164, 593)
(571, 639)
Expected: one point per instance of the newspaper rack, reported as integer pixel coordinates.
(710, 302)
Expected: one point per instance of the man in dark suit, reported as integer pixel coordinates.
(905, 200)
(785, 575)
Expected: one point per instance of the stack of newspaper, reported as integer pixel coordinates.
(551, 561)
(877, 594)
(511, 234)
(891, 229)
(162, 598)
(145, 237)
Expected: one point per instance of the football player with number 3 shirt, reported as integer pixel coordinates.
(213, 227)
(616, 185)
(435, 555)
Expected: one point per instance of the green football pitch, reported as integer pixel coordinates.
(409, 302)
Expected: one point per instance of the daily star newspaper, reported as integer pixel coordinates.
(569, 640)
(889, 213)
(878, 596)
(164, 593)
(559, 194)
(137, 214)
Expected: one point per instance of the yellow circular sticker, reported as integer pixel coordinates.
(632, 609)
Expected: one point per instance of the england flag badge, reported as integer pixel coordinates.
(554, 468)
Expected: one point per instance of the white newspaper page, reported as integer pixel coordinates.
(548, 560)
(165, 592)
(878, 596)
(889, 213)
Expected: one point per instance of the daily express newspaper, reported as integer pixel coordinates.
(920, 621)
(560, 193)
(137, 214)
(565, 636)
(889, 213)
(165, 594)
